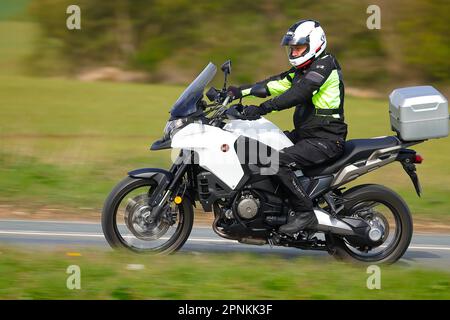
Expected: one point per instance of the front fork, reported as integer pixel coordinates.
(164, 190)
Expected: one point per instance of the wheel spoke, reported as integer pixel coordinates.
(139, 234)
(384, 217)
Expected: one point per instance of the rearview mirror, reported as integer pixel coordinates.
(226, 67)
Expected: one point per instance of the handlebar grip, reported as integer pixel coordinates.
(234, 113)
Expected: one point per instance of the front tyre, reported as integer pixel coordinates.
(375, 203)
(125, 225)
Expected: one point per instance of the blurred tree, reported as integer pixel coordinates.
(172, 40)
(425, 37)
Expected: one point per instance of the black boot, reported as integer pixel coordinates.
(298, 221)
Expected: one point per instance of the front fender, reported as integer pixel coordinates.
(161, 144)
(151, 173)
(161, 176)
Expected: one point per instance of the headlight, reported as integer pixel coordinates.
(173, 126)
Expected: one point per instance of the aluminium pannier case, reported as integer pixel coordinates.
(418, 113)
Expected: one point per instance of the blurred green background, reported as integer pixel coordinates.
(65, 141)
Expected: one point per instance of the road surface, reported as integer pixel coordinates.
(429, 250)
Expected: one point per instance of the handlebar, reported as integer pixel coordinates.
(221, 110)
(225, 102)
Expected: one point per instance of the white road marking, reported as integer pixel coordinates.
(71, 222)
(92, 235)
(49, 221)
(99, 235)
(55, 234)
(425, 247)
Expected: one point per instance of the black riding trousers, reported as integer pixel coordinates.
(304, 153)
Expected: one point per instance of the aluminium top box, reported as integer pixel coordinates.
(418, 113)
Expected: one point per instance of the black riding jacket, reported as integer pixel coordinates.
(316, 91)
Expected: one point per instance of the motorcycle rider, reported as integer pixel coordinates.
(314, 86)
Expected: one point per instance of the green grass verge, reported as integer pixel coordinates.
(104, 275)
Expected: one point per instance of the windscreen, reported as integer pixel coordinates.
(187, 102)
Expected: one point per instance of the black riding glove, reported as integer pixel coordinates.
(234, 92)
(252, 112)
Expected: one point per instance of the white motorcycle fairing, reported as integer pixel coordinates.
(215, 146)
(261, 130)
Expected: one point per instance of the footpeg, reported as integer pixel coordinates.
(275, 238)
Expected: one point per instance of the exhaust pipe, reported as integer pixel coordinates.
(253, 241)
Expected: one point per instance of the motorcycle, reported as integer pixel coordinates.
(151, 210)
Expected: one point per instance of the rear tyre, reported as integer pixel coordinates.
(399, 227)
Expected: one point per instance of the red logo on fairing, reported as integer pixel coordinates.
(224, 147)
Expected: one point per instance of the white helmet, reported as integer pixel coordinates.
(305, 32)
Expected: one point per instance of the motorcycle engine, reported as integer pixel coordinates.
(247, 205)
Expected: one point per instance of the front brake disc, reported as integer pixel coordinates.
(136, 213)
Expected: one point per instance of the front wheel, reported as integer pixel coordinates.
(375, 204)
(126, 223)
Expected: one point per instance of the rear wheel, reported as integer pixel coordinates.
(379, 205)
(126, 222)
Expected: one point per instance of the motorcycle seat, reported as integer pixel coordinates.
(354, 150)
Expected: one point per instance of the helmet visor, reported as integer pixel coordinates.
(290, 40)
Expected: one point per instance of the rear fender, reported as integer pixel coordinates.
(407, 158)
